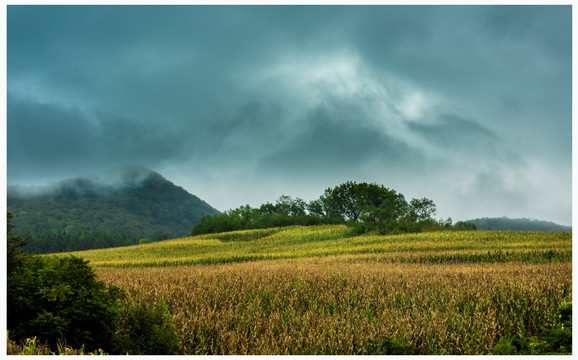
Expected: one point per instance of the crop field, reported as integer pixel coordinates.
(321, 290)
(337, 240)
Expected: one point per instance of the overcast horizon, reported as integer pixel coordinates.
(470, 106)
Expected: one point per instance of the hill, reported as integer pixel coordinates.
(118, 209)
(320, 241)
(504, 223)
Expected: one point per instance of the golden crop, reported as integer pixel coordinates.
(328, 293)
(321, 241)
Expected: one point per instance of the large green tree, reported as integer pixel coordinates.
(368, 203)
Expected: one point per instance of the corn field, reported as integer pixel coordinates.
(322, 291)
(336, 240)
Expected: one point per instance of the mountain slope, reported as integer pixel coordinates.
(504, 223)
(134, 203)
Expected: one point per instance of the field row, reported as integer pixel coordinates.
(322, 241)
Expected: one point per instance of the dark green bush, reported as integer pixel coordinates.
(148, 330)
(359, 228)
(553, 340)
(507, 346)
(60, 300)
(558, 339)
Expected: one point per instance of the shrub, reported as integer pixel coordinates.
(505, 346)
(556, 339)
(59, 298)
(359, 228)
(148, 330)
(57, 303)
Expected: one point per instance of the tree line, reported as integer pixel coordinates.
(55, 241)
(365, 207)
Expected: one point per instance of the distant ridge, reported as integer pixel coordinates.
(504, 223)
(134, 202)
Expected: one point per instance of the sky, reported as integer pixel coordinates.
(469, 106)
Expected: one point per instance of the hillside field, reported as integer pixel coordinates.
(321, 290)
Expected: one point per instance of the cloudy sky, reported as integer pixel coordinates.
(469, 106)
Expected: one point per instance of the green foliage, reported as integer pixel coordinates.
(423, 209)
(82, 214)
(60, 298)
(553, 340)
(286, 212)
(62, 241)
(506, 346)
(364, 207)
(15, 255)
(558, 339)
(148, 330)
(464, 225)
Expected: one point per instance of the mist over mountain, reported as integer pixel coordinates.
(504, 223)
(111, 209)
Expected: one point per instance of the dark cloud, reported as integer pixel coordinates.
(49, 139)
(259, 100)
(339, 139)
(455, 132)
(42, 133)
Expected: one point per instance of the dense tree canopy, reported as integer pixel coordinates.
(82, 214)
(364, 206)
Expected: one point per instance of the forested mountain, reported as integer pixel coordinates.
(87, 213)
(504, 223)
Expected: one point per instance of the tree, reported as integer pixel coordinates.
(423, 208)
(368, 203)
(14, 252)
(379, 203)
(283, 205)
(341, 201)
(316, 208)
(267, 209)
(463, 225)
(365, 206)
(348, 196)
(298, 207)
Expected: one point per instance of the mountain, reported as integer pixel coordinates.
(504, 223)
(118, 208)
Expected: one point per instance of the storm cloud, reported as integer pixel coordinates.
(467, 105)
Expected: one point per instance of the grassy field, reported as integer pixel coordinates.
(321, 290)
